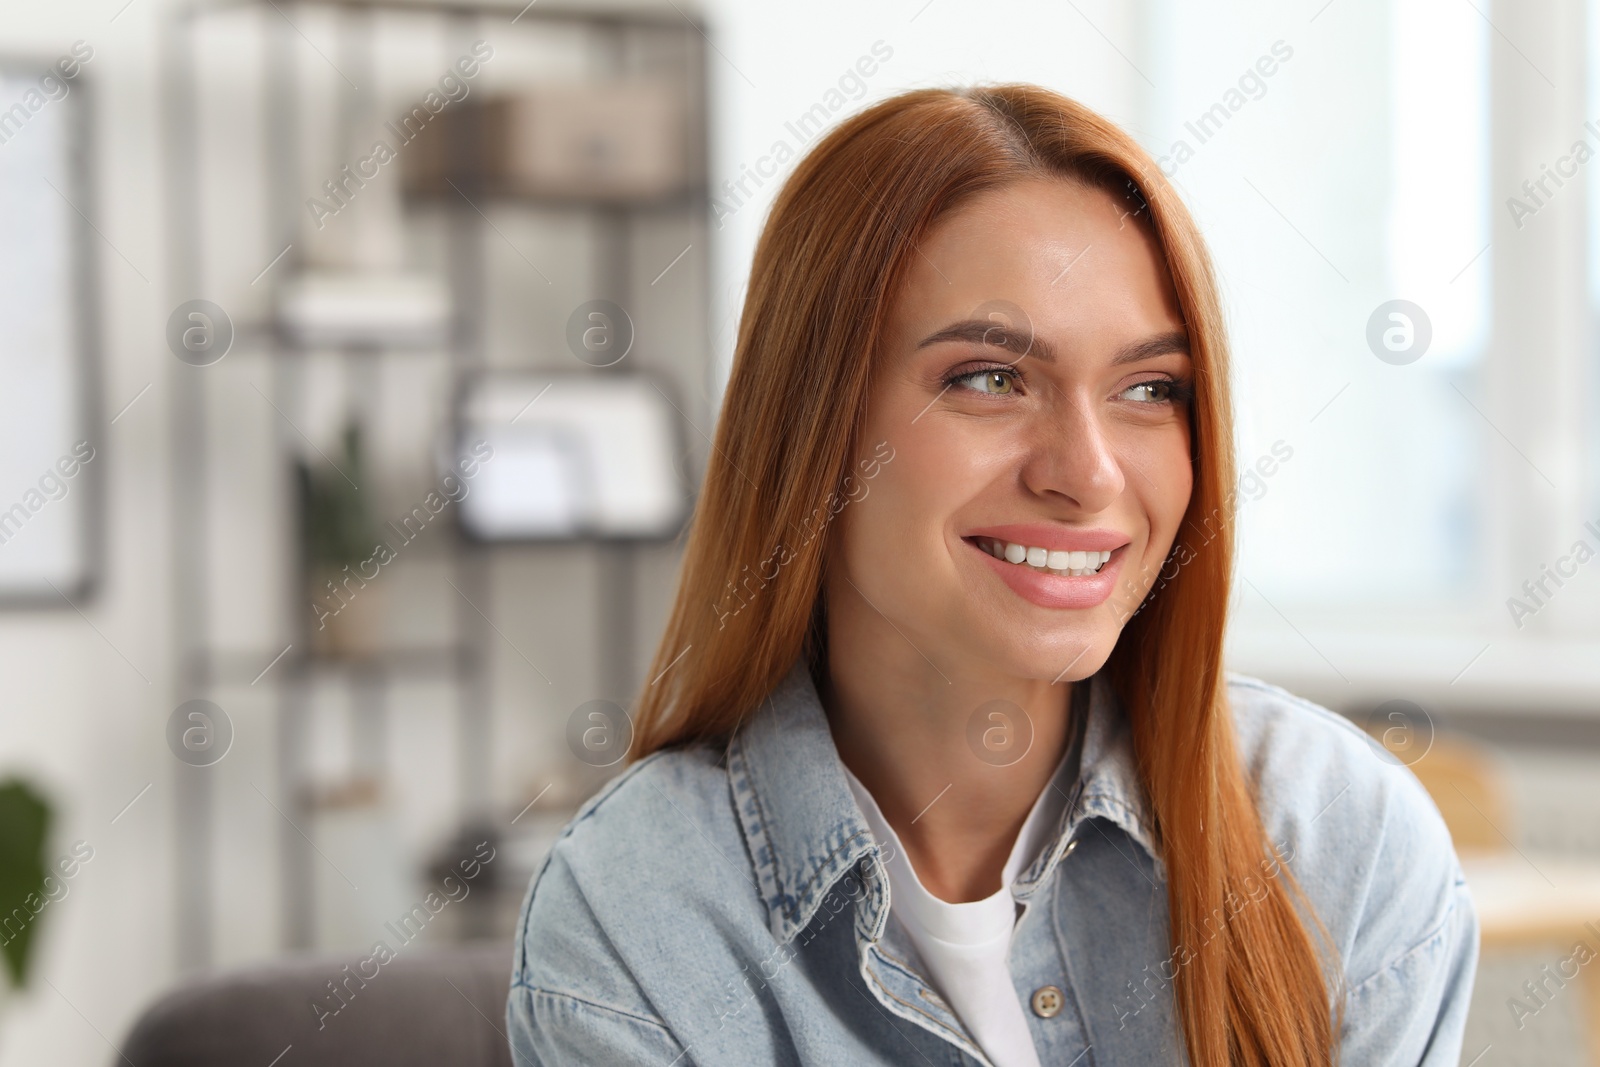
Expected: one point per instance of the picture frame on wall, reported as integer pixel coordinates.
(52, 444)
(567, 457)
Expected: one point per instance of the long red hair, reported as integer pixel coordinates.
(832, 256)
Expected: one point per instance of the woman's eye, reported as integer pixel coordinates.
(993, 382)
(1156, 391)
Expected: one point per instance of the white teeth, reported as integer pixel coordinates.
(1074, 563)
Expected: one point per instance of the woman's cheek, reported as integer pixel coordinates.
(1182, 487)
(1163, 480)
(882, 531)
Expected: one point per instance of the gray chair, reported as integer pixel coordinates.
(423, 1008)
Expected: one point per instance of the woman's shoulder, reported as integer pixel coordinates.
(1359, 831)
(659, 840)
(665, 798)
(602, 952)
(1312, 764)
(1295, 747)
(652, 830)
(1324, 782)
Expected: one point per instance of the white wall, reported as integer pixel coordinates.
(87, 696)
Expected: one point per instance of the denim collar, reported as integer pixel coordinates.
(1107, 787)
(805, 831)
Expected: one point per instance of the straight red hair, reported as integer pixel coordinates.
(1249, 983)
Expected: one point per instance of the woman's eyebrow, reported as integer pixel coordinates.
(999, 334)
(1159, 344)
(979, 332)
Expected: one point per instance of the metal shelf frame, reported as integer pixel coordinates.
(201, 669)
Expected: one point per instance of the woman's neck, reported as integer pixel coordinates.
(905, 729)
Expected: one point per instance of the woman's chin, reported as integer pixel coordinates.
(1068, 657)
(1075, 657)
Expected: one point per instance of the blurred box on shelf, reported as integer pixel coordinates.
(608, 141)
(338, 308)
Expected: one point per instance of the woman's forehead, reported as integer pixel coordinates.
(1067, 254)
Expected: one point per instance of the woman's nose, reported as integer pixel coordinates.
(1072, 456)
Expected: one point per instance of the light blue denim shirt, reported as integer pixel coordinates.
(729, 908)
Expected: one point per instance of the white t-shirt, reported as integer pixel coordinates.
(964, 946)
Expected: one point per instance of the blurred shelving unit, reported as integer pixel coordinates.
(454, 230)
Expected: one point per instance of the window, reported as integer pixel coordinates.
(1343, 165)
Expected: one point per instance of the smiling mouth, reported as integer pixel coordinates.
(1065, 564)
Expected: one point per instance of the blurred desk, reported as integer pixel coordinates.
(1543, 903)
(1519, 900)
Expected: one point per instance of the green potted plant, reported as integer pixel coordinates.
(337, 539)
(24, 829)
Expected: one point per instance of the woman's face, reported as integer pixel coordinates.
(1033, 390)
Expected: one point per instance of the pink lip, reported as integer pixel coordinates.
(1053, 538)
(1056, 590)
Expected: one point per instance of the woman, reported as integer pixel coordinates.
(940, 764)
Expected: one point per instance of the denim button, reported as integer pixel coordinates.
(1047, 1001)
(1070, 846)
